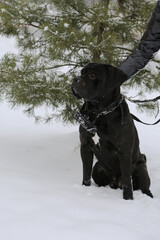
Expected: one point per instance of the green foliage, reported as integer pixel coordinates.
(55, 35)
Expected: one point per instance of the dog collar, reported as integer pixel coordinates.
(90, 126)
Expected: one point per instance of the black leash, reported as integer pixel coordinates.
(143, 101)
(138, 120)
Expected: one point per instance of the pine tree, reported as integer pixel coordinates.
(54, 36)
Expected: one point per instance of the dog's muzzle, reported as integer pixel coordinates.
(75, 93)
(73, 87)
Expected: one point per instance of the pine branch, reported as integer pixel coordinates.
(71, 35)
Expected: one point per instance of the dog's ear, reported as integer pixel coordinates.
(115, 77)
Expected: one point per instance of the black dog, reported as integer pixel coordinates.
(105, 115)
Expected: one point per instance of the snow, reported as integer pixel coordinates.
(45, 28)
(153, 67)
(41, 192)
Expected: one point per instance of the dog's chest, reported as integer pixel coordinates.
(96, 139)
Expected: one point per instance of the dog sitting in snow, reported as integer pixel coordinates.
(107, 131)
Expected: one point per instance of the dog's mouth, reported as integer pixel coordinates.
(75, 93)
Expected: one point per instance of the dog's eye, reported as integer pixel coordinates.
(92, 76)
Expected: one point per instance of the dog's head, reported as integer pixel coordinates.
(97, 80)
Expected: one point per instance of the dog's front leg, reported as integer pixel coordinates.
(86, 156)
(126, 171)
(87, 161)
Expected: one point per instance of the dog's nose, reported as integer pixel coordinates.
(77, 79)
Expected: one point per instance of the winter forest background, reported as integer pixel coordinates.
(40, 167)
(56, 39)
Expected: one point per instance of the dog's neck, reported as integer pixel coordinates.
(91, 111)
(99, 104)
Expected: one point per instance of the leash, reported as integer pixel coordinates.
(143, 101)
(138, 120)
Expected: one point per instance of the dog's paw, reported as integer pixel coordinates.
(127, 193)
(86, 182)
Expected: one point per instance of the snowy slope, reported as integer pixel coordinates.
(41, 193)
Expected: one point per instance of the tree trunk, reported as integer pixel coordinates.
(120, 2)
(107, 3)
(97, 53)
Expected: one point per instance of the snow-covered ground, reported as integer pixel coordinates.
(40, 181)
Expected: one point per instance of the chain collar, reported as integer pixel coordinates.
(84, 121)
